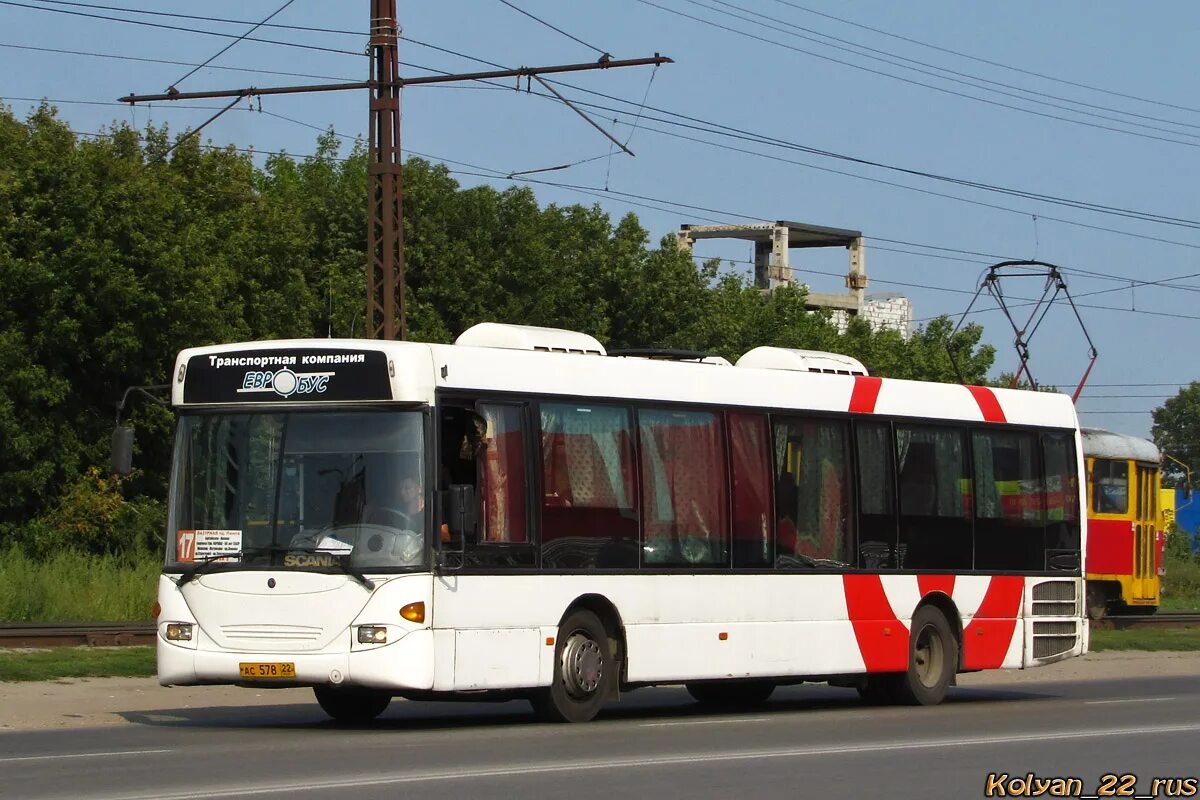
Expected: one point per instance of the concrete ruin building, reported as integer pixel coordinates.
(773, 242)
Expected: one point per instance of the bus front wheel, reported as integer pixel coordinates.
(350, 705)
(585, 669)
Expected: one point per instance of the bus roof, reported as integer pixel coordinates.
(326, 370)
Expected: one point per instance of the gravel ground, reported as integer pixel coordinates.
(88, 702)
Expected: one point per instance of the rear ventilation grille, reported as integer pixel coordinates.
(1056, 599)
(1054, 590)
(1054, 638)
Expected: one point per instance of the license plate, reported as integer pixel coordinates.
(273, 669)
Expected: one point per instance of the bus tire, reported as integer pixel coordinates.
(932, 659)
(353, 706)
(584, 671)
(730, 694)
(1097, 601)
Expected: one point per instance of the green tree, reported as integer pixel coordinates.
(1176, 430)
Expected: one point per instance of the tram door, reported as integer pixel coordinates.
(1145, 568)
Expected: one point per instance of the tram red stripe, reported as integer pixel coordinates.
(866, 392)
(987, 637)
(988, 404)
(882, 638)
(936, 583)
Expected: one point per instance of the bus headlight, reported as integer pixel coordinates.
(179, 632)
(372, 634)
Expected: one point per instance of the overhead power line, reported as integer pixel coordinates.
(911, 81)
(979, 59)
(163, 26)
(144, 60)
(541, 21)
(226, 48)
(944, 73)
(731, 131)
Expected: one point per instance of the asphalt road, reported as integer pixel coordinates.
(810, 741)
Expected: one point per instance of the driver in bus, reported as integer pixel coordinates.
(412, 501)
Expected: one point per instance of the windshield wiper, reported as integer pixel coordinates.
(207, 563)
(357, 574)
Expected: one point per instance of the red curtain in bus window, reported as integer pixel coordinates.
(683, 483)
(750, 456)
(503, 475)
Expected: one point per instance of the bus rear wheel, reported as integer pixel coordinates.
(585, 669)
(932, 659)
(1097, 601)
(730, 694)
(351, 705)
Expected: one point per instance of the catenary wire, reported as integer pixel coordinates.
(979, 59)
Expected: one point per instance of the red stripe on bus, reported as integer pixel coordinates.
(987, 638)
(866, 392)
(935, 583)
(988, 404)
(882, 639)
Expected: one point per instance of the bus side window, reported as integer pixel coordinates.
(484, 447)
(813, 492)
(877, 496)
(1010, 501)
(502, 475)
(682, 460)
(1062, 501)
(935, 498)
(750, 461)
(589, 500)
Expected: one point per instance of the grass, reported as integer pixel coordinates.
(1181, 585)
(76, 662)
(72, 587)
(1148, 639)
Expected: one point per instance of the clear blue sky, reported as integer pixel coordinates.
(1145, 51)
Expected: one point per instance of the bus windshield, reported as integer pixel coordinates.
(299, 489)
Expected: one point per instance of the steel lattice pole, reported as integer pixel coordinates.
(385, 232)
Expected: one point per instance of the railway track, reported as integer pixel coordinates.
(108, 634)
(1162, 619)
(97, 634)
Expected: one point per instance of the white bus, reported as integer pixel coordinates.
(522, 514)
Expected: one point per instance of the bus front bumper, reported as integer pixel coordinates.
(407, 663)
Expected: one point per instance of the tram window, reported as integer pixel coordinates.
(682, 464)
(750, 459)
(935, 498)
(1010, 501)
(589, 502)
(1110, 487)
(814, 517)
(1062, 501)
(877, 496)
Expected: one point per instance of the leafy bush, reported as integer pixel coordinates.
(93, 517)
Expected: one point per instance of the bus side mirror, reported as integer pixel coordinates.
(122, 450)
